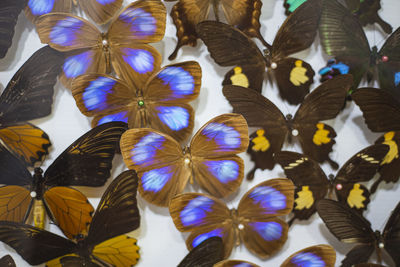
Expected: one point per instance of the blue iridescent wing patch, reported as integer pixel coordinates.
(40, 7)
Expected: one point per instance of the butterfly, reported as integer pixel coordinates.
(100, 11)
(376, 105)
(316, 138)
(315, 256)
(7, 261)
(161, 103)
(9, 11)
(86, 162)
(28, 96)
(343, 37)
(104, 244)
(186, 14)
(206, 254)
(229, 46)
(254, 222)
(164, 168)
(312, 184)
(351, 227)
(124, 44)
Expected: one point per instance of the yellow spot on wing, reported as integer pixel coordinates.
(355, 198)
(298, 74)
(239, 78)
(260, 142)
(393, 149)
(304, 198)
(321, 135)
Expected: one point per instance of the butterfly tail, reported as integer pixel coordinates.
(375, 185)
(333, 164)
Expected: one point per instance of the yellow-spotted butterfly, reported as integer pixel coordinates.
(316, 138)
(28, 96)
(351, 227)
(206, 254)
(186, 14)
(229, 46)
(100, 11)
(254, 222)
(343, 37)
(312, 184)
(161, 103)
(381, 111)
(315, 256)
(103, 244)
(123, 46)
(164, 168)
(87, 162)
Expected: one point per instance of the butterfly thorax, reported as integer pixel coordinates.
(293, 132)
(187, 159)
(83, 249)
(268, 58)
(238, 223)
(38, 184)
(105, 45)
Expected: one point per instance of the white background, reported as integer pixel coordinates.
(160, 243)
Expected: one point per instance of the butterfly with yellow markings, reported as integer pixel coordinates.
(312, 184)
(124, 45)
(103, 244)
(164, 168)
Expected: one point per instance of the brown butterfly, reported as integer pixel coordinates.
(124, 45)
(254, 222)
(164, 167)
(186, 14)
(100, 11)
(316, 138)
(381, 111)
(312, 184)
(228, 46)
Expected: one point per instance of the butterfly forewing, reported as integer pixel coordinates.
(206, 254)
(36, 8)
(323, 255)
(235, 263)
(100, 11)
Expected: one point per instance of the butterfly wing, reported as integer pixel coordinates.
(34, 245)
(206, 254)
(100, 11)
(229, 46)
(343, 37)
(203, 215)
(7, 261)
(235, 263)
(87, 161)
(36, 8)
(375, 104)
(391, 235)
(311, 182)
(9, 11)
(323, 255)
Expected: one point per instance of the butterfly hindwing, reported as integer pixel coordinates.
(391, 235)
(7, 261)
(322, 255)
(15, 203)
(206, 254)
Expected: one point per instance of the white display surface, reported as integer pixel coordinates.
(161, 244)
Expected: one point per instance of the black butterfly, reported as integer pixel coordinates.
(206, 254)
(343, 37)
(312, 184)
(316, 138)
(104, 243)
(9, 11)
(351, 227)
(28, 96)
(381, 111)
(86, 162)
(229, 46)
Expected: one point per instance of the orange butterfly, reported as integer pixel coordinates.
(124, 44)
(254, 222)
(164, 168)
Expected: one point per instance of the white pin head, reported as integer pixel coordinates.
(187, 161)
(295, 132)
(381, 245)
(33, 194)
(274, 65)
(339, 187)
(241, 226)
(104, 42)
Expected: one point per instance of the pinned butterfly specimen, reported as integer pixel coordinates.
(316, 138)
(343, 37)
(254, 222)
(315, 256)
(100, 11)
(381, 111)
(229, 46)
(7, 261)
(28, 96)
(206, 254)
(9, 11)
(312, 184)
(164, 167)
(351, 227)
(161, 103)
(124, 44)
(86, 162)
(186, 14)
(104, 243)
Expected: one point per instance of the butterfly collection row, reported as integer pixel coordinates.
(148, 95)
